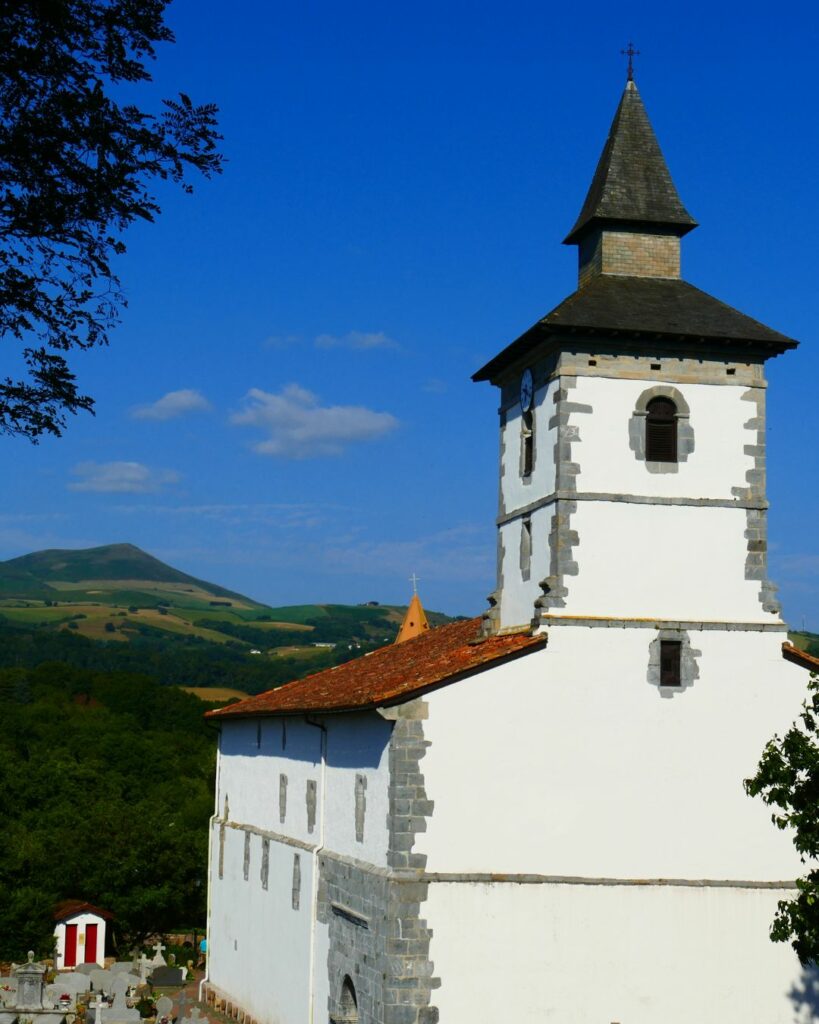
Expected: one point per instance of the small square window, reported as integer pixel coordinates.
(670, 663)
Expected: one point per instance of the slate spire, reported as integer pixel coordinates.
(632, 185)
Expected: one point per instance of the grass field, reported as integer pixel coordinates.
(215, 694)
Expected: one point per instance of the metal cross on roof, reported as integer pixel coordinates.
(415, 580)
(631, 53)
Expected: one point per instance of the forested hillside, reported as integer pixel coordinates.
(107, 790)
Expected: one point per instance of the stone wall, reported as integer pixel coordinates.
(378, 940)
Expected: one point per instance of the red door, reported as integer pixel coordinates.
(90, 943)
(70, 958)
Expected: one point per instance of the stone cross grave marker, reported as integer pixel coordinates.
(144, 964)
(164, 1007)
(159, 959)
(120, 1012)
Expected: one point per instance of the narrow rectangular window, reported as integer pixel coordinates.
(527, 440)
(360, 806)
(295, 892)
(670, 663)
(525, 547)
(246, 862)
(282, 798)
(265, 872)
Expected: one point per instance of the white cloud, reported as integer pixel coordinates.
(120, 478)
(357, 340)
(299, 427)
(171, 405)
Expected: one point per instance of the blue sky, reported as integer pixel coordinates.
(286, 409)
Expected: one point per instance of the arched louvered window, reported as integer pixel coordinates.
(661, 430)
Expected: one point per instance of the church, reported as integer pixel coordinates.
(538, 814)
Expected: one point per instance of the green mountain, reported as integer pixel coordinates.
(54, 571)
(118, 608)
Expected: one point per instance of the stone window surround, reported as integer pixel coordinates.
(637, 428)
(689, 666)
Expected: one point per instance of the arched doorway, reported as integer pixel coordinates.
(348, 1004)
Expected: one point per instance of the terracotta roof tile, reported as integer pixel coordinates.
(68, 908)
(391, 674)
(801, 658)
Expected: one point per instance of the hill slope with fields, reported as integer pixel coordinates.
(119, 608)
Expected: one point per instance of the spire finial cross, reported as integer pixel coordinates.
(415, 580)
(631, 53)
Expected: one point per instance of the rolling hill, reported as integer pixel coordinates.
(173, 626)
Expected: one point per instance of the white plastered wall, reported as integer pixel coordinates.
(581, 954)
(81, 920)
(515, 492)
(661, 562)
(718, 415)
(259, 949)
(356, 744)
(568, 761)
(517, 596)
(259, 946)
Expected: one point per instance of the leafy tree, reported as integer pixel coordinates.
(78, 164)
(787, 779)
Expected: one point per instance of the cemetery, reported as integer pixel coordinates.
(146, 988)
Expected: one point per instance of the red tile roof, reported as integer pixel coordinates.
(390, 675)
(801, 658)
(68, 908)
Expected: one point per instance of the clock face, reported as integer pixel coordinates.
(527, 390)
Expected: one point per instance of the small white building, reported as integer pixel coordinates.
(540, 816)
(80, 933)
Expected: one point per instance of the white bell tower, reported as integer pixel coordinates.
(632, 425)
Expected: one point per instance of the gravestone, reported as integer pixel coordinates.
(86, 968)
(101, 980)
(73, 983)
(30, 984)
(167, 977)
(97, 1006)
(122, 967)
(159, 959)
(164, 1008)
(181, 1005)
(144, 968)
(194, 1017)
(120, 1012)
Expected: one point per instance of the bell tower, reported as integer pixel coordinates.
(632, 425)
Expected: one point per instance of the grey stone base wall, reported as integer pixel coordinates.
(379, 941)
(378, 937)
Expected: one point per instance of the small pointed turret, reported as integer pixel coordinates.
(633, 218)
(415, 621)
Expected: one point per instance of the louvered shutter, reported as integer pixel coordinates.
(661, 431)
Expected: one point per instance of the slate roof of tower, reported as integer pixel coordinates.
(632, 182)
(390, 675)
(642, 308)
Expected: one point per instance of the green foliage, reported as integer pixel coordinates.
(78, 167)
(107, 790)
(787, 779)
